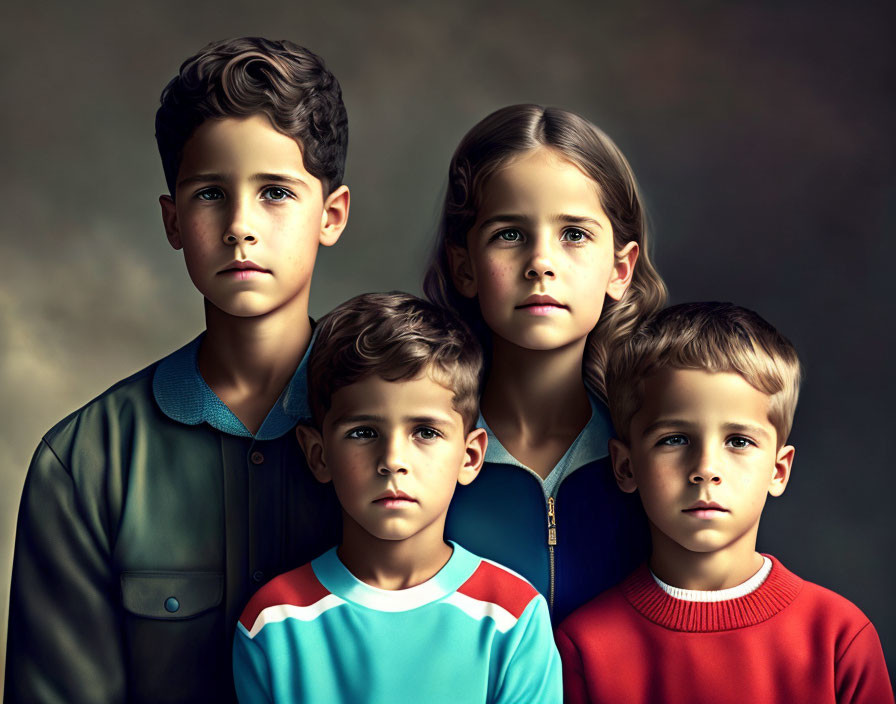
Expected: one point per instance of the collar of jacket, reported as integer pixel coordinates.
(589, 446)
(182, 394)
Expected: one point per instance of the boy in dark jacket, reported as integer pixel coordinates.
(151, 515)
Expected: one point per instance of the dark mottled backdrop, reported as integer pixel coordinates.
(762, 134)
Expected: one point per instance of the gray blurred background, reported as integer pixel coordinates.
(762, 135)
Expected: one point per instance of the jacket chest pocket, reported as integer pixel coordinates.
(171, 596)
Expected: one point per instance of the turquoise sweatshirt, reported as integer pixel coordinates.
(474, 632)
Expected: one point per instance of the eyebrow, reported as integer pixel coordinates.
(559, 218)
(371, 418)
(746, 428)
(730, 427)
(255, 178)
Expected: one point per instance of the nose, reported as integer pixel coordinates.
(240, 227)
(705, 469)
(392, 459)
(539, 264)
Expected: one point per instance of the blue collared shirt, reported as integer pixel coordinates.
(183, 395)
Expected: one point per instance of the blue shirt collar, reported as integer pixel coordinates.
(183, 395)
(590, 445)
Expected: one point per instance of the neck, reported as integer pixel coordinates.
(534, 392)
(248, 361)
(704, 571)
(393, 564)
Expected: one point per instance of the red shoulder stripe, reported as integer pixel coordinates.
(299, 587)
(499, 586)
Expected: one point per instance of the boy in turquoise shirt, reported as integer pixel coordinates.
(396, 613)
(151, 515)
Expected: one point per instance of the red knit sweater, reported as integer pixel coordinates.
(789, 641)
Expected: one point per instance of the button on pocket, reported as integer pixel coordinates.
(171, 595)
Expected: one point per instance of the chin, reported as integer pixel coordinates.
(245, 308)
(537, 341)
(391, 535)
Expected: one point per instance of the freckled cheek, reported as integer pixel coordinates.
(497, 284)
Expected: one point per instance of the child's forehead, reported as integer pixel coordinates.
(242, 143)
(539, 178)
(409, 397)
(696, 393)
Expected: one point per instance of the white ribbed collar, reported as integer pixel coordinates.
(751, 585)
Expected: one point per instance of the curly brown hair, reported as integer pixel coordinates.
(248, 76)
(395, 336)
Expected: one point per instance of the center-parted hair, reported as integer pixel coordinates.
(395, 336)
(249, 76)
(713, 337)
(490, 145)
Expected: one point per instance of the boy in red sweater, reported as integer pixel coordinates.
(702, 398)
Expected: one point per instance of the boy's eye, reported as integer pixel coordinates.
(210, 194)
(276, 193)
(363, 433)
(574, 234)
(673, 440)
(426, 433)
(740, 442)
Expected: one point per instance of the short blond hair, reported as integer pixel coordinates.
(395, 336)
(713, 337)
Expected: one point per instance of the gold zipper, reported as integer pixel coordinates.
(552, 541)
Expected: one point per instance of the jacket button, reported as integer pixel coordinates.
(257, 576)
(256, 457)
(171, 604)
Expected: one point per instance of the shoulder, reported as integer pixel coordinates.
(499, 587)
(129, 394)
(607, 610)
(297, 593)
(832, 619)
(826, 604)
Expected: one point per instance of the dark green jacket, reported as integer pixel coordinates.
(141, 538)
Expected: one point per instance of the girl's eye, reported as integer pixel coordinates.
(425, 433)
(361, 433)
(509, 236)
(574, 234)
(673, 440)
(276, 193)
(210, 194)
(740, 442)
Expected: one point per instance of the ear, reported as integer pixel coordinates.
(461, 267)
(623, 270)
(477, 441)
(621, 457)
(313, 446)
(335, 216)
(169, 220)
(781, 475)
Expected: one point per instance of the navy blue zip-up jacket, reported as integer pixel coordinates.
(600, 533)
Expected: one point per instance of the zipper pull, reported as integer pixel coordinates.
(552, 523)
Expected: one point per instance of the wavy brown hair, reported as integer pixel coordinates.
(395, 336)
(250, 76)
(489, 146)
